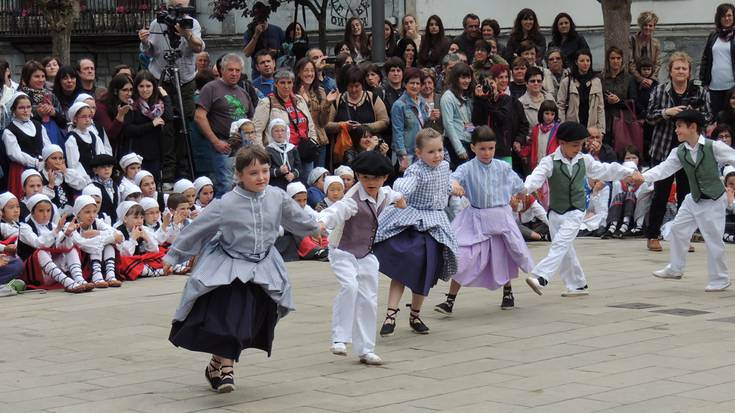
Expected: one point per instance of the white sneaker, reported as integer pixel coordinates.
(371, 359)
(575, 292)
(339, 349)
(667, 274)
(713, 289)
(535, 285)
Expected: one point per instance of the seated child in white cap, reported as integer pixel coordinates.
(139, 253)
(40, 245)
(82, 143)
(204, 188)
(335, 189)
(347, 175)
(92, 236)
(154, 221)
(179, 208)
(130, 165)
(148, 187)
(60, 184)
(32, 183)
(11, 266)
(96, 194)
(129, 192)
(186, 188)
(315, 194)
(311, 247)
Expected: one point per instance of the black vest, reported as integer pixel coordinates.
(139, 250)
(32, 145)
(25, 250)
(63, 194)
(109, 205)
(87, 151)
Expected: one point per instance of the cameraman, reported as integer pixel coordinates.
(502, 113)
(155, 42)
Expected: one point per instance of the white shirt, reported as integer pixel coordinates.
(595, 169)
(72, 149)
(536, 211)
(13, 149)
(723, 155)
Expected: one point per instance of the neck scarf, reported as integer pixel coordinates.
(726, 34)
(151, 112)
(546, 128)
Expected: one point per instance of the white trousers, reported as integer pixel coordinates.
(355, 309)
(709, 216)
(67, 262)
(562, 257)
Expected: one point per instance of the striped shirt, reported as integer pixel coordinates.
(488, 185)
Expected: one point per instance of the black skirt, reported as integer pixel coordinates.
(412, 257)
(227, 320)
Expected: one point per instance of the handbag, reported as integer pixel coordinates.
(342, 143)
(308, 149)
(627, 131)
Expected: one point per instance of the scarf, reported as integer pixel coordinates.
(726, 34)
(37, 96)
(283, 149)
(150, 112)
(546, 128)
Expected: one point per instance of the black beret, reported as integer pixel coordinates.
(102, 160)
(690, 115)
(571, 131)
(372, 163)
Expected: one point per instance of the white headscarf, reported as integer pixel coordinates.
(81, 202)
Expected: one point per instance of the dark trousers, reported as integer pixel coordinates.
(717, 101)
(661, 190)
(175, 152)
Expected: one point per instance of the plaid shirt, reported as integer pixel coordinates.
(664, 134)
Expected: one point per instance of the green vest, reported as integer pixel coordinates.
(703, 175)
(567, 192)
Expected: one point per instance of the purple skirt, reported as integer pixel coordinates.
(412, 257)
(491, 248)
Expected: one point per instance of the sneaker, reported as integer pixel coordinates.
(17, 285)
(339, 349)
(577, 292)
(444, 308)
(714, 289)
(6, 291)
(508, 302)
(371, 359)
(667, 274)
(537, 284)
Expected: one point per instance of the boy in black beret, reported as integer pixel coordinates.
(704, 207)
(103, 167)
(566, 170)
(353, 222)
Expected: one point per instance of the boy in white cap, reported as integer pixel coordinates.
(186, 188)
(92, 236)
(310, 247)
(41, 246)
(315, 193)
(335, 189)
(82, 143)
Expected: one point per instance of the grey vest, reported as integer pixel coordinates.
(364, 222)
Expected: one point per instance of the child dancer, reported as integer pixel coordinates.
(24, 138)
(103, 166)
(491, 247)
(204, 191)
(82, 143)
(353, 222)
(335, 189)
(60, 184)
(95, 238)
(285, 160)
(139, 254)
(704, 206)
(415, 246)
(238, 272)
(565, 171)
(39, 245)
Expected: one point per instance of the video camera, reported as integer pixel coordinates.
(175, 15)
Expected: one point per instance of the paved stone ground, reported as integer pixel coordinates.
(107, 351)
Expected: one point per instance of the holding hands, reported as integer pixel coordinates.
(457, 189)
(636, 178)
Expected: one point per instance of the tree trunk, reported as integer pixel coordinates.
(616, 17)
(61, 44)
(322, 18)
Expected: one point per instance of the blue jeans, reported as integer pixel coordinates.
(321, 159)
(224, 173)
(306, 168)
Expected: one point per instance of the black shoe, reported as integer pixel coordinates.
(227, 381)
(581, 233)
(607, 235)
(617, 234)
(445, 307)
(214, 381)
(389, 325)
(508, 301)
(546, 237)
(415, 322)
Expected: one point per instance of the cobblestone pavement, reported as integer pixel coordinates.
(636, 344)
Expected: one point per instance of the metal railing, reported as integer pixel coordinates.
(22, 18)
